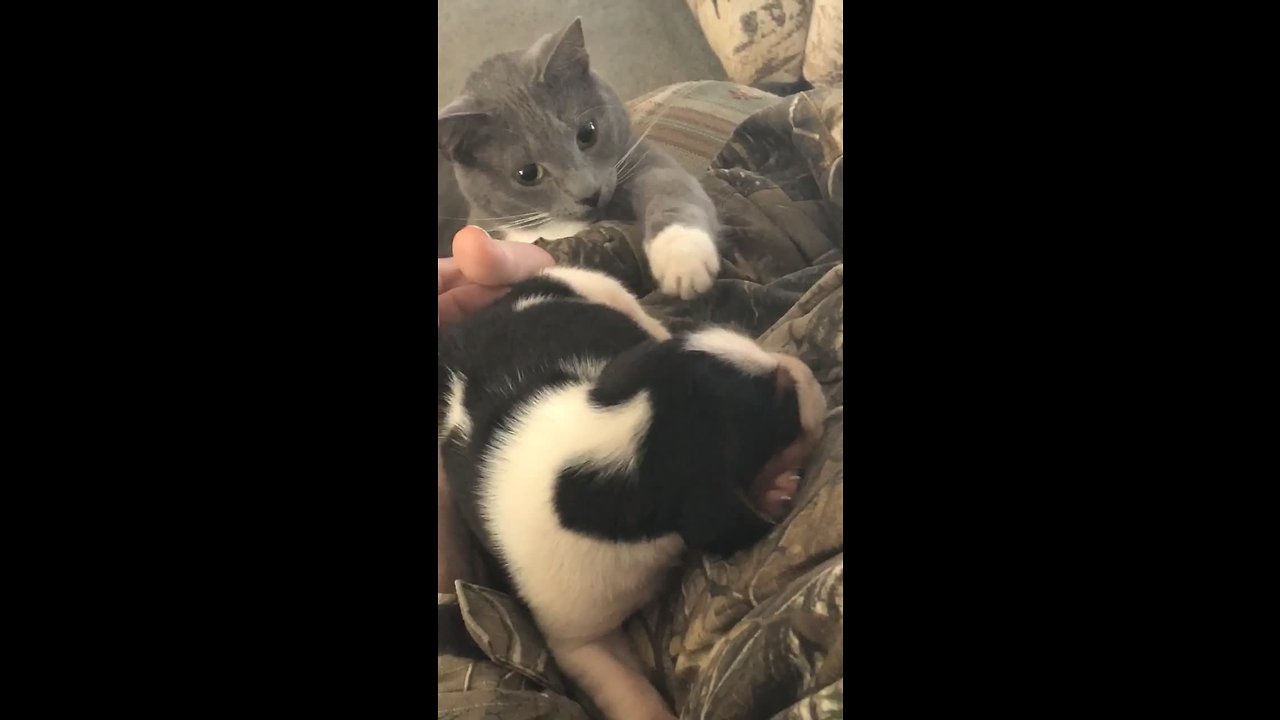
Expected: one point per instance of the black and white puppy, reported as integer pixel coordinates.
(588, 447)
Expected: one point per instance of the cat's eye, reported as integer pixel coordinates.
(587, 134)
(530, 174)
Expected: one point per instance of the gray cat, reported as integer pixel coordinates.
(542, 147)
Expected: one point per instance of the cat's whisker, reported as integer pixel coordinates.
(634, 163)
(503, 228)
(652, 124)
(632, 169)
(513, 222)
(628, 163)
(535, 218)
(531, 225)
(490, 219)
(526, 224)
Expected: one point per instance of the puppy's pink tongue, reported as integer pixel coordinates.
(774, 499)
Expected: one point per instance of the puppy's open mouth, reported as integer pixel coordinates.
(772, 495)
(774, 489)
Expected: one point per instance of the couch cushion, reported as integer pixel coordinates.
(757, 41)
(824, 51)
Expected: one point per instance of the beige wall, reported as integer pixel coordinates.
(637, 45)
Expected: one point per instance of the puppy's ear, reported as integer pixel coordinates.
(456, 129)
(798, 388)
(785, 406)
(630, 372)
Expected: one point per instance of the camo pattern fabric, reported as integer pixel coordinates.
(758, 634)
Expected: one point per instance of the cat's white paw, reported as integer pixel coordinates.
(684, 261)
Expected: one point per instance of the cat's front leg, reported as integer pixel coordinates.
(680, 226)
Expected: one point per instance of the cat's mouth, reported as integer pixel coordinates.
(589, 215)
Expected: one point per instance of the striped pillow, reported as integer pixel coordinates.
(693, 120)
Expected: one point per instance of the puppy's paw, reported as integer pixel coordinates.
(684, 261)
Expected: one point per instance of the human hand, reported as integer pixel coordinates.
(481, 270)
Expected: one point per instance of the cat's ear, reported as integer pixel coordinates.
(456, 128)
(562, 56)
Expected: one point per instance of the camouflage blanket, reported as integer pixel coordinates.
(758, 634)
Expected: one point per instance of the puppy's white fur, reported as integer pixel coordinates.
(734, 349)
(602, 289)
(610, 673)
(684, 261)
(525, 302)
(583, 368)
(456, 417)
(579, 588)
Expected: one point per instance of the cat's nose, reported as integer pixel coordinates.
(592, 201)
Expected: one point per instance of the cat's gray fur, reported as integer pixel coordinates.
(528, 107)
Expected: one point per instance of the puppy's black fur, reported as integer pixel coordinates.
(714, 425)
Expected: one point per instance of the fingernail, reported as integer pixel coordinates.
(477, 227)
